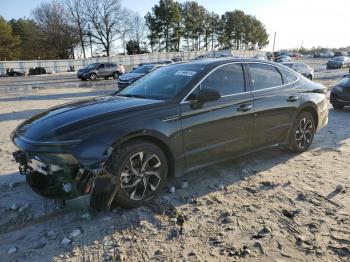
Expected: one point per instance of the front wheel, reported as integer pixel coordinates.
(93, 76)
(140, 170)
(302, 133)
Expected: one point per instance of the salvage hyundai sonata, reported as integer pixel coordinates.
(121, 148)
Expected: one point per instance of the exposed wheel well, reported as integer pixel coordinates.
(162, 145)
(313, 112)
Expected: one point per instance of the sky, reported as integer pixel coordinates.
(296, 22)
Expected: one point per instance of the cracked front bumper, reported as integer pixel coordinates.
(54, 180)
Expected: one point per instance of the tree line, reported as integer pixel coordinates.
(62, 29)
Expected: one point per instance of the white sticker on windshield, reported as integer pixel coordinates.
(185, 73)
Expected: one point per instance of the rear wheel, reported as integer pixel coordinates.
(140, 170)
(337, 106)
(115, 75)
(93, 76)
(302, 133)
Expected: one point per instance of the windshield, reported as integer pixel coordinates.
(163, 83)
(91, 66)
(345, 82)
(143, 69)
(338, 59)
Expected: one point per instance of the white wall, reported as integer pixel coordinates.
(128, 60)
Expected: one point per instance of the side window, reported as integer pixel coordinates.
(100, 66)
(228, 80)
(287, 76)
(265, 76)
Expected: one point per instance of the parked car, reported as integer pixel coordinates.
(177, 59)
(327, 55)
(99, 70)
(283, 58)
(135, 74)
(12, 72)
(122, 148)
(37, 71)
(338, 62)
(269, 56)
(301, 68)
(340, 94)
(341, 53)
(261, 57)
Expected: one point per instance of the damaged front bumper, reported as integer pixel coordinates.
(74, 184)
(54, 180)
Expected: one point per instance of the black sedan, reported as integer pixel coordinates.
(340, 94)
(122, 148)
(135, 74)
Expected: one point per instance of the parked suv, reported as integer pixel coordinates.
(340, 53)
(301, 68)
(97, 70)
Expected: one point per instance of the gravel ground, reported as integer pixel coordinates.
(267, 206)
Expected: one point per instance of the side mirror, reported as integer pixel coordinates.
(207, 95)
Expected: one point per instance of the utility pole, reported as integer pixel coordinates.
(273, 48)
(90, 39)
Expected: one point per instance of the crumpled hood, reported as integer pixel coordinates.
(70, 117)
(129, 76)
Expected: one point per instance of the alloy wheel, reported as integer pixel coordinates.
(141, 177)
(304, 133)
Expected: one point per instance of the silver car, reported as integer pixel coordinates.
(301, 68)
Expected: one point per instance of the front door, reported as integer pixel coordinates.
(219, 129)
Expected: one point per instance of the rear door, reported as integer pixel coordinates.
(216, 130)
(275, 102)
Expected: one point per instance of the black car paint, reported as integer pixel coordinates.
(340, 94)
(191, 135)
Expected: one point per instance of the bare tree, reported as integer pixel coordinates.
(106, 19)
(76, 11)
(138, 28)
(59, 35)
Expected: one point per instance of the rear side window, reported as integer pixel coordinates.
(265, 76)
(287, 76)
(227, 79)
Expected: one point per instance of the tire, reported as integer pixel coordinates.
(337, 106)
(115, 75)
(93, 76)
(302, 133)
(125, 167)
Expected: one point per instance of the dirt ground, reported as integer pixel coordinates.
(267, 206)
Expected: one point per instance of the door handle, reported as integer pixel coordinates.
(244, 108)
(292, 98)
